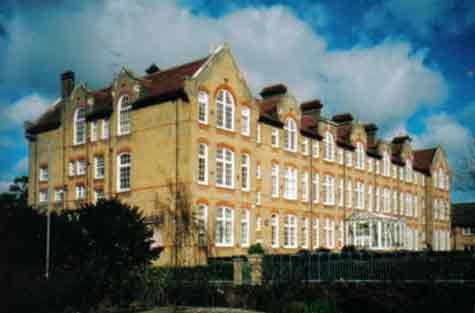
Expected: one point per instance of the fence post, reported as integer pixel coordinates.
(255, 261)
(237, 270)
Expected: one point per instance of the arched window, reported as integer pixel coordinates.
(360, 155)
(124, 172)
(290, 135)
(329, 146)
(225, 110)
(124, 121)
(386, 164)
(80, 126)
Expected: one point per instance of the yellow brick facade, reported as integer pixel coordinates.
(163, 145)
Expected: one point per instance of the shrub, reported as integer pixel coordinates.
(256, 249)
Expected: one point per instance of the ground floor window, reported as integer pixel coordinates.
(224, 226)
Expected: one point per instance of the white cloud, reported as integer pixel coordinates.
(21, 167)
(24, 109)
(382, 83)
(446, 131)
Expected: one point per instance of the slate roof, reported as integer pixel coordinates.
(423, 159)
(167, 84)
(157, 87)
(268, 111)
(463, 214)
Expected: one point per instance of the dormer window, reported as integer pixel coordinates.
(225, 110)
(124, 120)
(290, 135)
(79, 126)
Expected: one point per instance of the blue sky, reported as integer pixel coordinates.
(407, 65)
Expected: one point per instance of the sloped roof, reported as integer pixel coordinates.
(463, 214)
(309, 127)
(167, 84)
(423, 159)
(102, 104)
(49, 120)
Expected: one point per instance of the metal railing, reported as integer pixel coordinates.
(369, 267)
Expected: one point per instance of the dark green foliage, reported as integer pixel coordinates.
(256, 249)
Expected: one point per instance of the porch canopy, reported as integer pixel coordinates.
(375, 231)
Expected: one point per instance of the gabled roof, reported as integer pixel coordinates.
(167, 84)
(423, 159)
(463, 214)
(102, 104)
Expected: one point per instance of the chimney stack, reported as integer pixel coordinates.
(67, 84)
(371, 130)
(312, 108)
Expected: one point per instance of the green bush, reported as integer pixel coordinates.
(256, 249)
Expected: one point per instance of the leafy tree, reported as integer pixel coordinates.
(100, 246)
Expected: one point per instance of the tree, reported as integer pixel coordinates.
(98, 247)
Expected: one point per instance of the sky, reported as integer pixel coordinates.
(406, 65)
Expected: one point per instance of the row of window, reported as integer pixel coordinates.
(291, 231)
(123, 123)
(79, 194)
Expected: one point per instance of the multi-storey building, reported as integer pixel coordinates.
(463, 226)
(267, 169)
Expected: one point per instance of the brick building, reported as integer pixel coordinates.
(463, 226)
(257, 169)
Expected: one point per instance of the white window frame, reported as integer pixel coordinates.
(79, 126)
(275, 230)
(329, 153)
(315, 149)
(202, 164)
(225, 110)
(59, 195)
(316, 188)
(80, 192)
(304, 232)
(227, 164)
(341, 193)
(245, 228)
(72, 168)
(105, 129)
(93, 133)
(245, 172)
(202, 107)
(290, 135)
(81, 167)
(305, 187)
(290, 231)
(98, 173)
(316, 232)
(124, 116)
(360, 156)
(246, 121)
(258, 133)
(227, 224)
(202, 222)
(120, 167)
(329, 190)
(305, 146)
(290, 183)
(43, 175)
(275, 181)
(97, 195)
(43, 196)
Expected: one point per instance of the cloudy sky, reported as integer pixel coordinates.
(407, 65)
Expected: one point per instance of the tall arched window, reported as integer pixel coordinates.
(290, 135)
(329, 146)
(225, 110)
(360, 155)
(408, 171)
(124, 172)
(123, 118)
(80, 126)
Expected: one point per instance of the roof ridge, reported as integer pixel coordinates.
(176, 67)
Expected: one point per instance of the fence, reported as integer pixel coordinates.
(369, 267)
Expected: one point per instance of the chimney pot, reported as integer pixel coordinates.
(67, 84)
